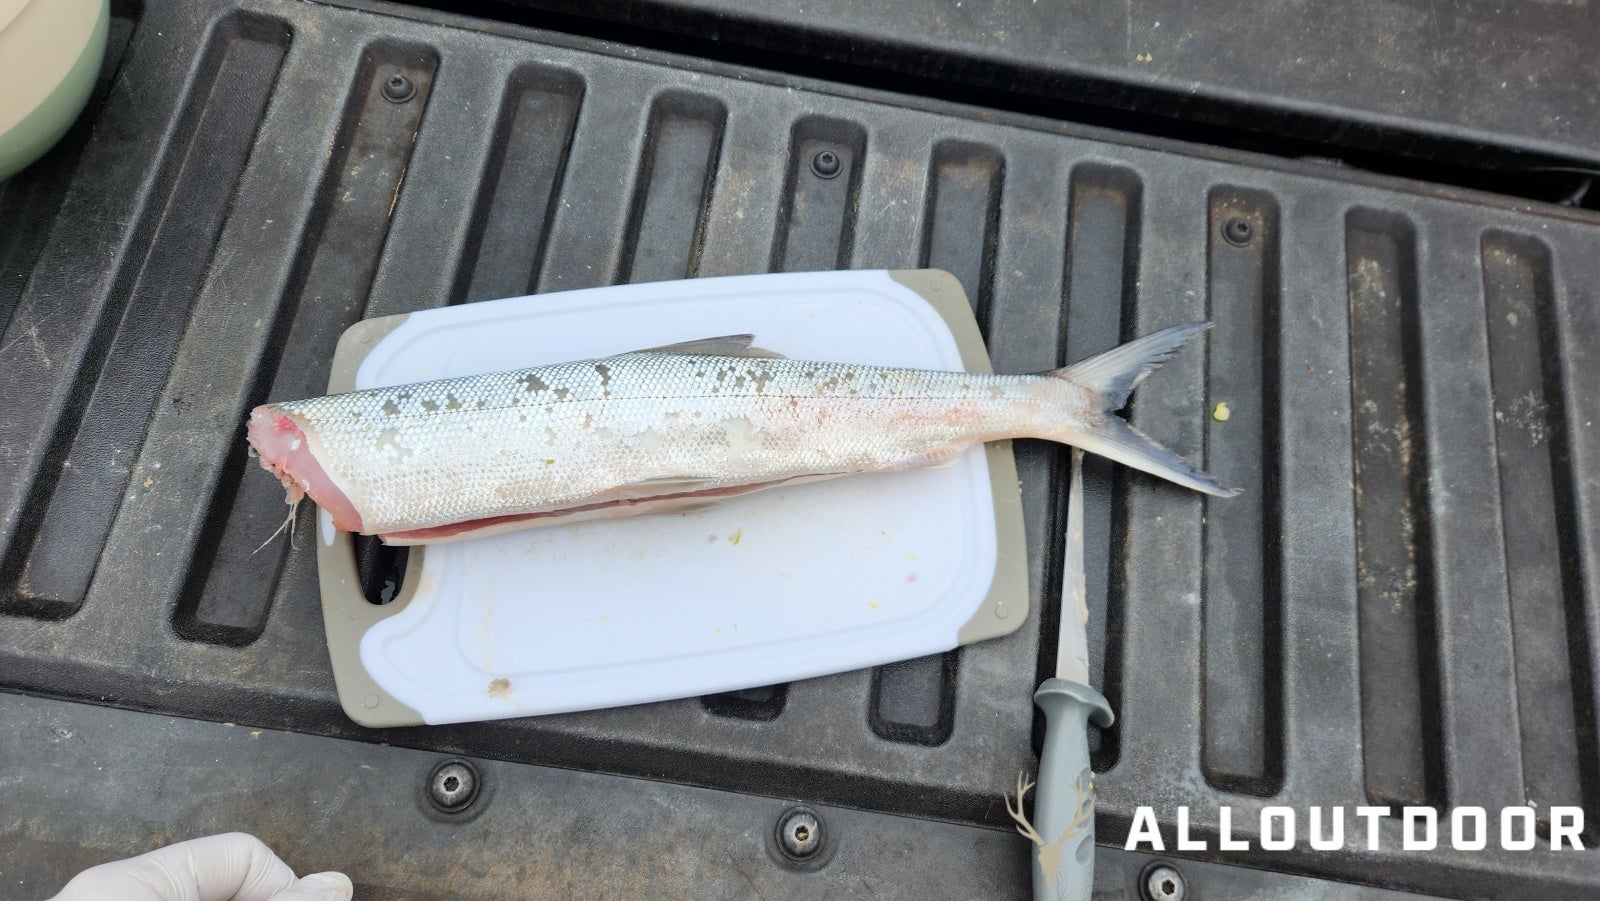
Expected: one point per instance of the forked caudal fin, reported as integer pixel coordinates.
(1115, 439)
(1114, 374)
(1110, 378)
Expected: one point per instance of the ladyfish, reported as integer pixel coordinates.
(672, 429)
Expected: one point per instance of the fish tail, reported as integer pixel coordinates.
(1109, 378)
(1114, 374)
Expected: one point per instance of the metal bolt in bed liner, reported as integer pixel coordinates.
(453, 785)
(825, 164)
(1238, 231)
(1163, 883)
(799, 833)
(398, 89)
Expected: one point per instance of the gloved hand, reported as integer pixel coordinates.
(230, 867)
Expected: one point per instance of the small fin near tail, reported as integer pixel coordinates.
(1114, 374)
(1115, 439)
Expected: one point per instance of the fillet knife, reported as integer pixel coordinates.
(1063, 868)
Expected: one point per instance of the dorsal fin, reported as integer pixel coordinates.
(721, 346)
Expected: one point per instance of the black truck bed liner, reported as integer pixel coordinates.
(1401, 609)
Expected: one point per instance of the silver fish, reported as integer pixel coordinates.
(675, 428)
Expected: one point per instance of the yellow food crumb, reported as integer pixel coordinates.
(737, 534)
(1221, 413)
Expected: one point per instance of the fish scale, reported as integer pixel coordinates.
(551, 437)
(667, 429)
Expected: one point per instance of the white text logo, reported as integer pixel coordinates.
(1323, 829)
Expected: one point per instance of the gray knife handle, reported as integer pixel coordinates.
(1063, 805)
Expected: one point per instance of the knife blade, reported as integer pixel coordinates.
(1072, 640)
(1063, 869)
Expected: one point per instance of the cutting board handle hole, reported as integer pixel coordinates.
(382, 569)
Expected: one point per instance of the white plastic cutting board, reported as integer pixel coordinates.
(775, 586)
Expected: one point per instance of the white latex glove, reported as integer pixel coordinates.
(230, 867)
